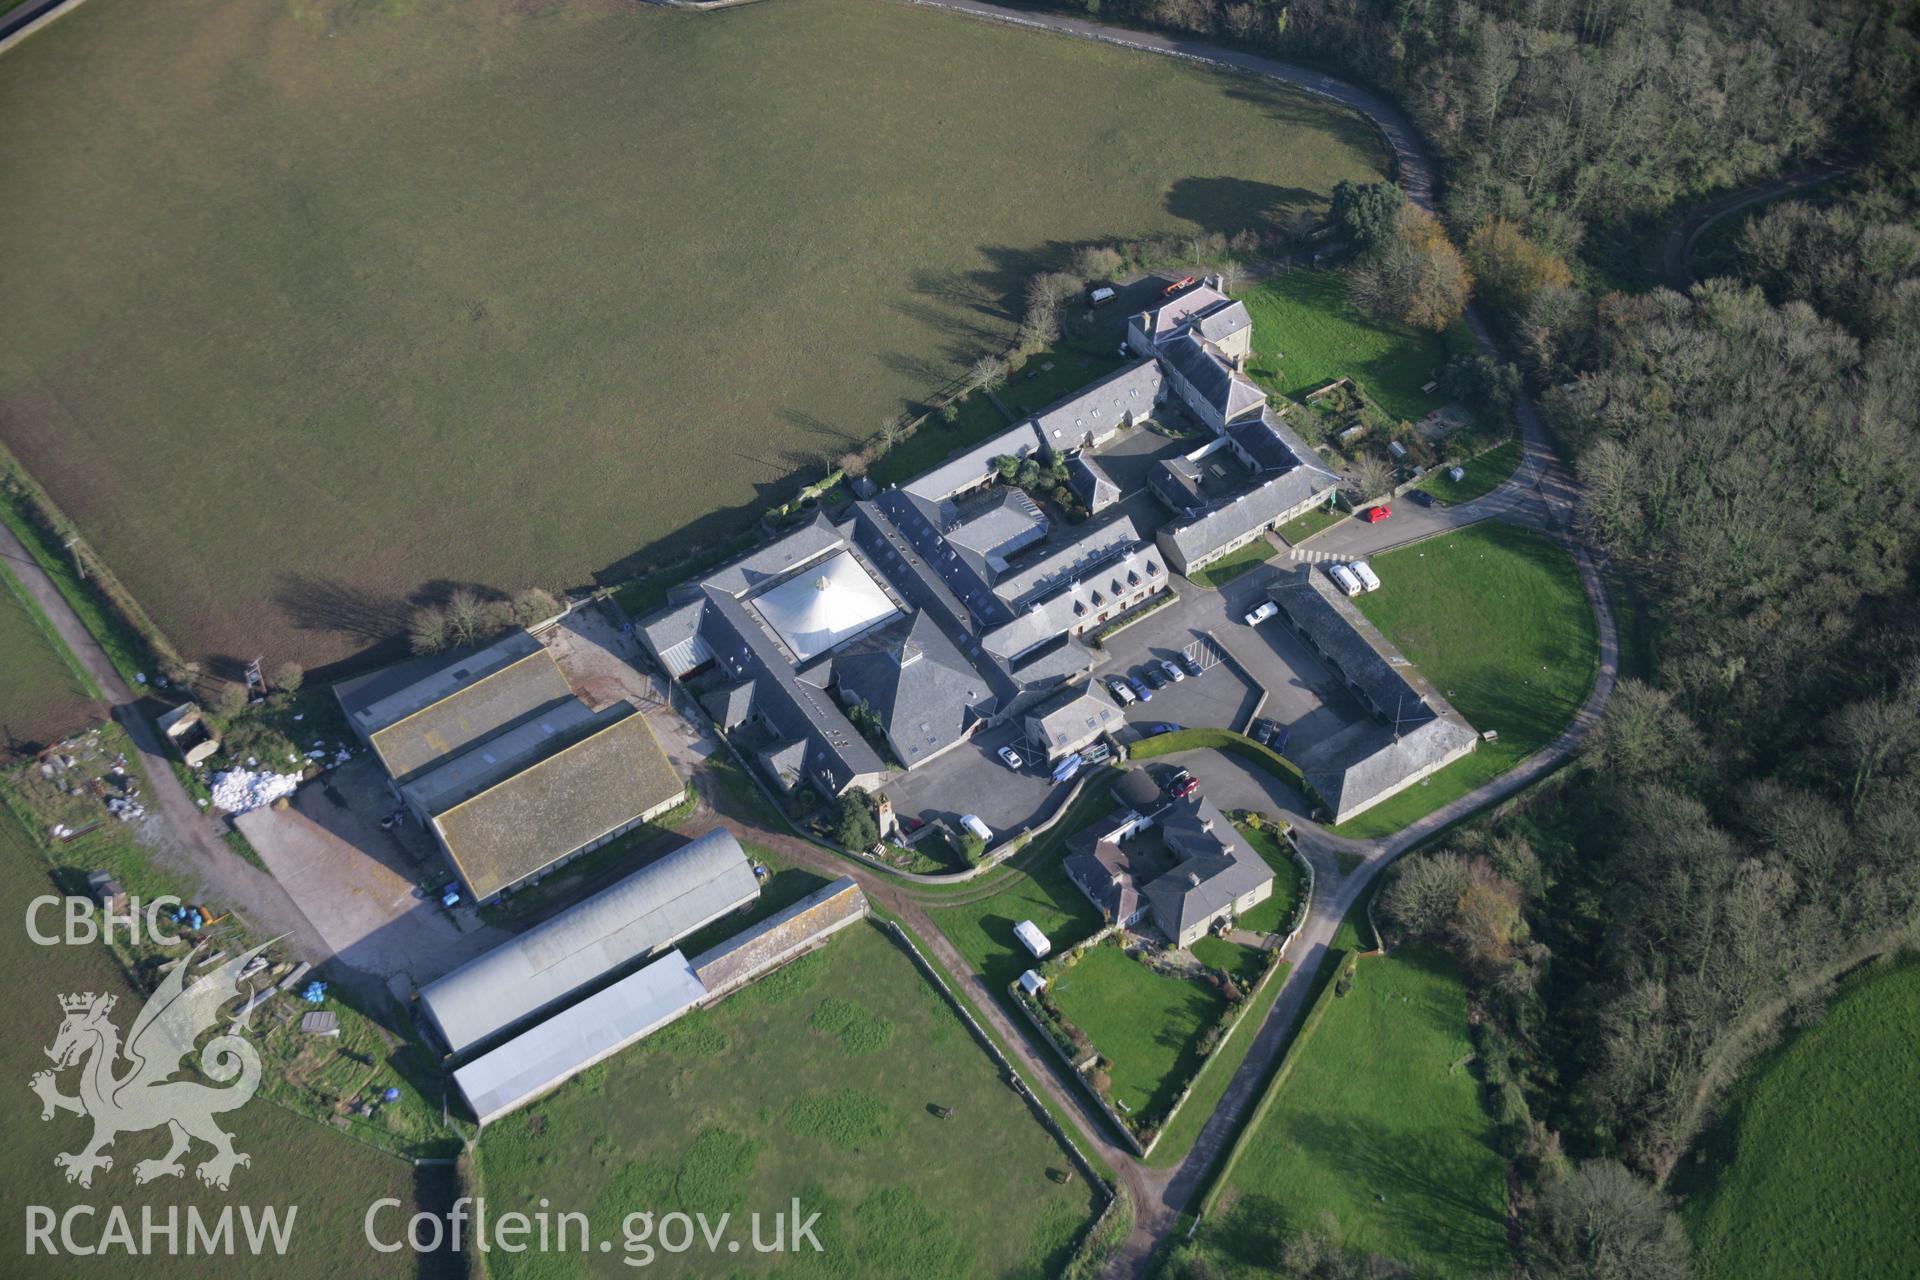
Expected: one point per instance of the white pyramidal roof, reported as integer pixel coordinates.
(824, 606)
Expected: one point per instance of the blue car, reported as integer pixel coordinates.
(1155, 730)
(1140, 691)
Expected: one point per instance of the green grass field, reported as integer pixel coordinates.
(1306, 334)
(1815, 1173)
(43, 694)
(331, 1178)
(818, 1082)
(1380, 1124)
(318, 309)
(1482, 475)
(1148, 1023)
(1497, 619)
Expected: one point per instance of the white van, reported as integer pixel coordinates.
(1101, 297)
(972, 823)
(1364, 571)
(1346, 579)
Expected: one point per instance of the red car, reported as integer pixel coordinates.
(1177, 286)
(1184, 785)
(1376, 514)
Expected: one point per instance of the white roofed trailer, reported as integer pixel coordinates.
(1364, 571)
(1347, 580)
(1029, 933)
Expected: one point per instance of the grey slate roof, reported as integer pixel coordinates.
(803, 545)
(1357, 773)
(730, 706)
(1091, 483)
(1210, 375)
(1100, 869)
(794, 708)
(1163, 321)
(1101, 408)
(1341, 634)
(1216, 867)
(975, 465)
(1078, 603)
(548, 1055)
(533, 737)
(924, 691)
(1247, 510)
(1095, 544)
(1077, 716)
(999, 528)
(653, 908)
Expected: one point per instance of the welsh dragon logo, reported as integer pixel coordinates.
(129, 1089)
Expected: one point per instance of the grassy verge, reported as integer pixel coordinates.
(123, 643)
(1216, 1073)
(44, 692)
(1812, 1173)
(1480, 475)
(1496, 617)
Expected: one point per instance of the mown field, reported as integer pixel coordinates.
(1497, 619)
(319, 309)
(1379, 1124)
(819, 1082)
(330, 1178)
(1816, 1170)
(42, 697)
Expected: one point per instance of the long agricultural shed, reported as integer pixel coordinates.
(646, 912)
(541, 1060)
(548, 1054)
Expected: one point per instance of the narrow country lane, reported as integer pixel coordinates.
(181, 835)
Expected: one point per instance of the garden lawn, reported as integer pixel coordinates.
(1233, 564)
(1481, 475)
(1276, 913)
(1497, 619)
(1816, 1171)
(1379, 1124)
(1243, 963)
(1300, 528)
(819, 1081)
(1306, 334)
(43, 694)
(331, 1177)
(1210, 1086)
(982, 930)
(1147, 1023)
(395, 297)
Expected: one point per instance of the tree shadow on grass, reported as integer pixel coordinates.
(1227, 205)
